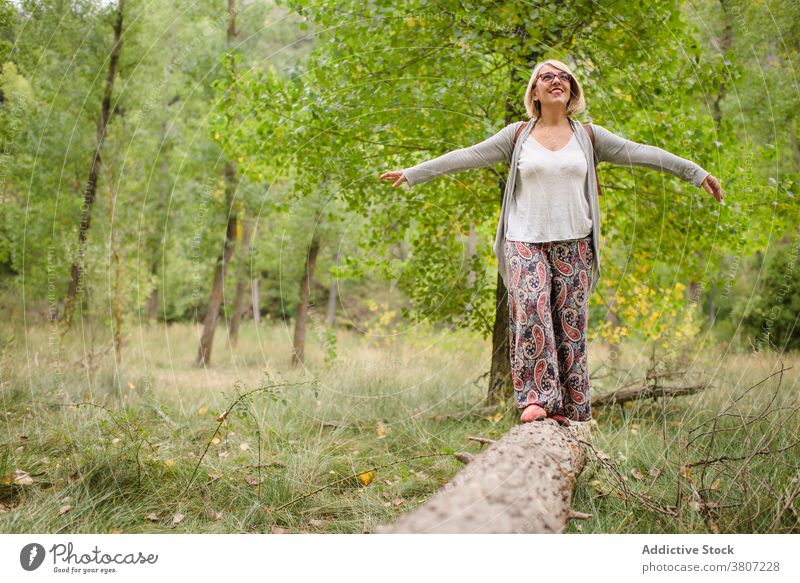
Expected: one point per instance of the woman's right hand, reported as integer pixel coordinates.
(396, 175)
(713, 187)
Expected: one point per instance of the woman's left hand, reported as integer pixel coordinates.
(712, 186)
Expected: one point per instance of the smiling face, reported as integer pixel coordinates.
(550, 94)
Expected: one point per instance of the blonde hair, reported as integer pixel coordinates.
(576, 103)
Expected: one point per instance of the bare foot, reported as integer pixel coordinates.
(532, 413)
(561, 420)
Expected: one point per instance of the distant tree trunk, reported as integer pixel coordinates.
(725, 42)
(152, 302)
(256, 303)
(694, 292)
(78, 266)
(241, 284)
(298, 354)
(332, 295)
(158, 241)
(218, 285)
(793, 140)
(712, 305)
(613, 319)
(117, 276)
(472, 250)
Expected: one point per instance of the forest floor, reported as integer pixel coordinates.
(364, 432)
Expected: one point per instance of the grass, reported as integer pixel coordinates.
(123, 451)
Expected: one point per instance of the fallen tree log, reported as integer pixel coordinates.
(624, 395)
(522, 483)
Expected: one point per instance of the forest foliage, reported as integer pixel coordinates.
(313, 101)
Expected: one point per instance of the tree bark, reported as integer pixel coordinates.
(256, 303)
(793, 141)
(78, 266)
(241, 285)
(712, 304)
(218, 285)
(654, 392)
(725, 42)
(472, 250)
(500, 386)
(333, 293)
(612, 318)
(522, 483)
(158, 240)
(298, 354)
(152, 302)
(116, 267)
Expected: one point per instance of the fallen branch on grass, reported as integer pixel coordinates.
(464, 457)
(725, 458)
(628, 493)
(789, 505)
(575, 515)
(625, 395)
(704, 439)
(482, 440)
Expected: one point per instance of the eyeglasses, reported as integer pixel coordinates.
(549, 77)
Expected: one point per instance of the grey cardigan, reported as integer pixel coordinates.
(501, 148)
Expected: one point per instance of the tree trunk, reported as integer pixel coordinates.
(298, 355)
(623, 396)
(724, 44)
(256, 303)
(218, 285)
(78, 266)
(500, 387)
(695, 292)
(520, 484)
(241, 284)
(116, 262)
(332, 295)
(152, 303)
(793, 141)
(612, 318)
(158, 240)
(472, 250)
(712, 304)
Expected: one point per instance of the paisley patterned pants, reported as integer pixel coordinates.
(548, 295)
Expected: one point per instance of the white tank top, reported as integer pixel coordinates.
(550, 204)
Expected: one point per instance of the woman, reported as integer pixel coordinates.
(548, 237)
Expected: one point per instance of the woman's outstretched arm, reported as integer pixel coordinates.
(612, 148)
(484, 154)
